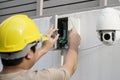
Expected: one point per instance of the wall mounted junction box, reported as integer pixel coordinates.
(64, 24)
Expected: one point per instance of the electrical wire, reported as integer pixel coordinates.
(62, 57)
(91, 47)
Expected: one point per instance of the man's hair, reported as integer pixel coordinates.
(14, 62)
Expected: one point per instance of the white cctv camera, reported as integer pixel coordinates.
(108, 26)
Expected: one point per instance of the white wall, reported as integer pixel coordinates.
(96, 61)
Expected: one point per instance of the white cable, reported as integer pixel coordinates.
(62, 57)
(91, 47)
(82, 49)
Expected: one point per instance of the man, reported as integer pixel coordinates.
(19, 37)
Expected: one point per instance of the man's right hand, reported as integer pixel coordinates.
(71, 59)
(73, 39)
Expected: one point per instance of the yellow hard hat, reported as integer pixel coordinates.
(17, 32)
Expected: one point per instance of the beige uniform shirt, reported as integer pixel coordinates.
(45, 74)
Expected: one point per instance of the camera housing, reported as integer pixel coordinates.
(108, 26)
(108, 37)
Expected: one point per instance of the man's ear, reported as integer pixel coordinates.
(29, 55)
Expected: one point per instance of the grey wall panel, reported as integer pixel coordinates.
(16, 3)
(30, 13)
(3, 17)
(111, 2)
(57, 10)
(2, 1)
(51, 3)
(18, 9)
(10, 7)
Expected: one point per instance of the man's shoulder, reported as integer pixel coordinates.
(51, 74)
(44, 74)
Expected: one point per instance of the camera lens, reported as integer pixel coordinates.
(107, 36)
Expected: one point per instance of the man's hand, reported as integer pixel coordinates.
(52, 39)
(48, 43)
(73, 39)
(71, 59)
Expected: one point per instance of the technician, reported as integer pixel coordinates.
(19, 37)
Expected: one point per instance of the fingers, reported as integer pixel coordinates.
(72, 30)
(45, 38)
(56, 38)
(52, 34)
(51, 31)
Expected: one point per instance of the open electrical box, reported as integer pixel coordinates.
(63, 32)
(63, 24)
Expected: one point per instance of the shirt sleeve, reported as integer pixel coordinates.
(58, 74)
(50, 74)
